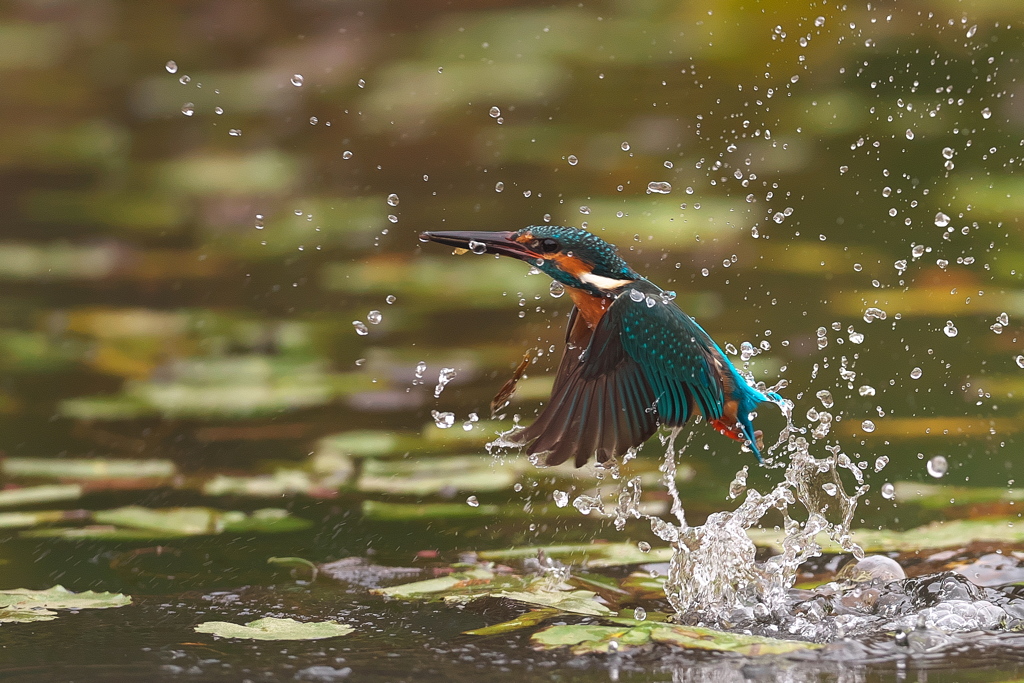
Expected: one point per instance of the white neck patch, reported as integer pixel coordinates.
(605, 284)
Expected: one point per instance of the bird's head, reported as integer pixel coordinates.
(572, 256)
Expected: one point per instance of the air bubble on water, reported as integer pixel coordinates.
(297, 80)
(499, 186)
(561, 498)
(950, 329)
(866, 390)
(188, 109)
(443, 420)
(572, 160)
(880, 462)
(916, 373)
(986, 113)
(941, 219)
(374, 317)
(659, 187)
(937, 466)
(867, 426)
(556, 288)
(235, 132)
(639, 613)
(392, 199)
(171, 66)
(477, 247)
(873, 313)
(361, 328)
(472, 502)
(909, 134)
(625, 146)
(888, 491)
(494, 112)
(390, 298)
(445, 376)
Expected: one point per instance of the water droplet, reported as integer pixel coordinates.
(941, 219)
(950, 329)
(779, 217)
(494, 112)
(937, 466)
(880, 462)
(218, 110)
(392, 199)
(659, 187)
(830, 488)
(888, 491)
(445, 376)
(986, 113)
(916, 373)
(556, 288)
(477, 247)
(825, 396)
(644, 546)
(867, 426)
(910, 134)
(1003, 318)
(499, 186)
(360, 327)
(585, 210)
(361, 83)
(873, 313)
(972, 30)
(856, 338)
(297, 80)
(443, 420)
(866, 390)
(390, 298)
(235, 132)
(393, 218)
(572, 160)
(625, 146)
(171, 66)
(561, 498)
(188, 109)
(639, 613)
(184, 79)
(668, 164)
(819, 22)
(374, 317)
(472, 502)
(313, 120)
(1019, 360)
(346, 154)
(947, 152)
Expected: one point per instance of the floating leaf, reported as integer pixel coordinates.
(576, 602)
(434, 475)
(531, 618)
(400, 512)
(26, 520)
(586, 638)
(476, 580)
(31, 495)
(272, 628)
(25, 605)
(587, 555)
(87, 468)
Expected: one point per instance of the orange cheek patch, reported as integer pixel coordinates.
(570, 264)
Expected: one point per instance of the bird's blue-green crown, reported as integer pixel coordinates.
(600, 258)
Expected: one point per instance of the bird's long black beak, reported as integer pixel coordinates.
(482, 243)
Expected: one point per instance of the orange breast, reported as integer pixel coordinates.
(592, 308)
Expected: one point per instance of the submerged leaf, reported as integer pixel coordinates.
(272, 628)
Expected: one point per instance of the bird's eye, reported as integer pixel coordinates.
(548, 246)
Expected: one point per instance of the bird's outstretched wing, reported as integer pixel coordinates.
(599, 404)
(645, 362)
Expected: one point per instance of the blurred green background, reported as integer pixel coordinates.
(209, 252)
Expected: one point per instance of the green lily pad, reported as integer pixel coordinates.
(474, 582)
(432, 475)
(587, 555)
(135, 522)
(576, 602)
(531, 618)
(587, 638)
(20, 605)
(87, 468)
(400, 512)
(935, 535)
(272, 628)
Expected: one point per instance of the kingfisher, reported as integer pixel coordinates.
(633, 360)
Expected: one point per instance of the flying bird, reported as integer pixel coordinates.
(633, 360)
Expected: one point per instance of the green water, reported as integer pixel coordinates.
(184, 249)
